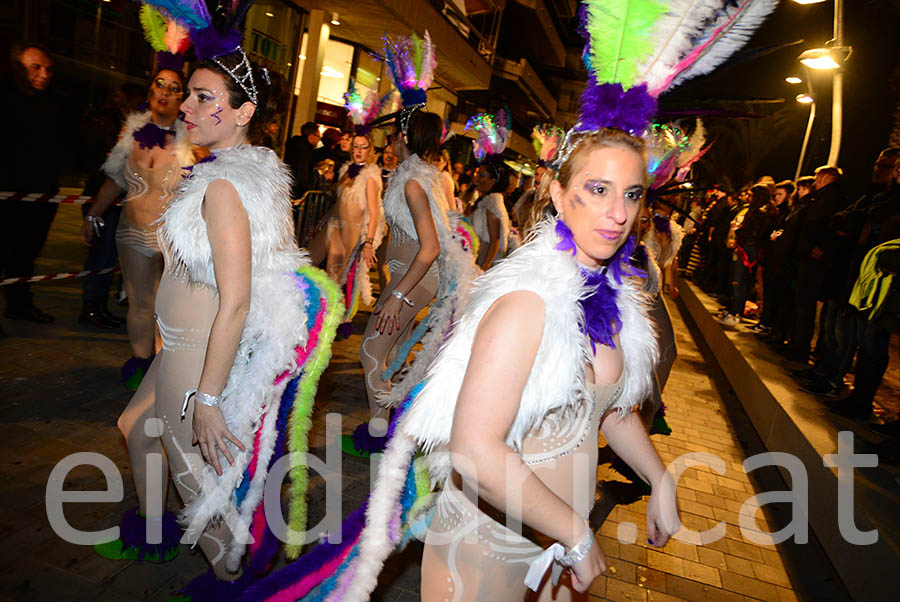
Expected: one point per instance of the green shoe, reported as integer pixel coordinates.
(134, 381)
(116, 550)
(132, 543)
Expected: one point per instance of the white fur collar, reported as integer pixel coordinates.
(114, 166)
(558, 377)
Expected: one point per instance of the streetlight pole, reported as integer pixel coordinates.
(809, 127)
(837, 88)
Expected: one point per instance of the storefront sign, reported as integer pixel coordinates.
(329, 114)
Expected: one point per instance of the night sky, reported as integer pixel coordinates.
(872, 28)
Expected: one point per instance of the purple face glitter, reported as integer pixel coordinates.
(216, 115)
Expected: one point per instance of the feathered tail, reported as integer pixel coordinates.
(323, 310)
(396, 510)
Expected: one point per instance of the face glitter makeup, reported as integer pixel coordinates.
(216, 115)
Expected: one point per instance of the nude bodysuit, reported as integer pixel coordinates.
(470, 554)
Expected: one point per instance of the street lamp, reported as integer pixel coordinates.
(821, 58)
(793, 79)
(806, 99)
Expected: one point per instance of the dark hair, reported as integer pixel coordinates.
(423, 134)
(331, 137)
(759, 195)
(17, 49)
(500, 174)
(831, 170)
(806, 182)
(270, 98)
(308, 128)
(787, 186)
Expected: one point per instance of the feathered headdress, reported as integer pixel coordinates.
(637, 49)
(491, 135)
(166, 36)
(411, 61)
(215, 34)
(363, 111)
(545, 139)
(672, 152)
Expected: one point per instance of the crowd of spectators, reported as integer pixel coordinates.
(811, 262)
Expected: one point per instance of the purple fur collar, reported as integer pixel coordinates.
(152, 135)
(662, 224)
(354, 169)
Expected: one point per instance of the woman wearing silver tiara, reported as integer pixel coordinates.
(230, 313)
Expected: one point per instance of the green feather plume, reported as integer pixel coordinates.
(154, 25)
(418, 53)
(619, 32)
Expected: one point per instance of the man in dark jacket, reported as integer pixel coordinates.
(811, 257)
(31, 162)
(848, 240)
(299, 157)
(874, 342)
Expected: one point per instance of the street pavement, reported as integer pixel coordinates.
(61, 395)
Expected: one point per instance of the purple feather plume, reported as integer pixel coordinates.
(168, 60)
(210, 43)
(318, 556)
(601, 314)
(608, 105)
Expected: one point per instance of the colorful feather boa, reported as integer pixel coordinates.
(323, 311)
(325, 572)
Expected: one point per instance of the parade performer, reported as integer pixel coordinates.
(146, 164)
(672, 152)
(552, 341)
(489, 217)
(545, 139)
(356, 231)
(246, 326)
(425, 261)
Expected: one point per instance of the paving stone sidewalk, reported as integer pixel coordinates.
(60, 395)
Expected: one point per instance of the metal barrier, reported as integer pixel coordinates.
(309, 211)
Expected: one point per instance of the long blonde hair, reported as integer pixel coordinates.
(580, 144)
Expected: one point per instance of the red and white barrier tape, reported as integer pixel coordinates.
(60, 276)
(39, 197)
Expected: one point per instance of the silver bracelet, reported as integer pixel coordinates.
(96, 222)
(402, 297)
(579, 551)
(204, 398)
